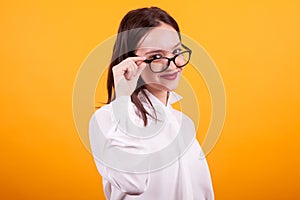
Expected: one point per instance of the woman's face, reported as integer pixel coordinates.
(162, 41)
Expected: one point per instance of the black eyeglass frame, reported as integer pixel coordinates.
(148, 61)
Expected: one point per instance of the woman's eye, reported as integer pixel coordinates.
(155, 56)
(177, 51)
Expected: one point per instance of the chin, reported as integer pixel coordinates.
(163, 86)
(170, 87)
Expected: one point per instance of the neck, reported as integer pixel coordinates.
(162, 95)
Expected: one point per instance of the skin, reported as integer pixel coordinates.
(162, 40)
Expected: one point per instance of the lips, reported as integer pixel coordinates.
(170, 76)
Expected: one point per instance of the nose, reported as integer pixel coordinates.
(172, 65)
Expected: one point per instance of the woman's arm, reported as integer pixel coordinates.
(105, 137)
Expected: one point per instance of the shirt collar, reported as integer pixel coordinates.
(173, 97)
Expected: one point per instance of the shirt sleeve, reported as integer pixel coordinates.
(104, 135)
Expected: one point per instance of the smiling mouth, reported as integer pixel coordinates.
(171, 76)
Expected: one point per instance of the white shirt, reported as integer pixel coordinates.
(137, 165)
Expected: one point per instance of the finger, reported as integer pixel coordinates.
(137, 58)
(139, 62)
(128, 73)
(140, 69)
(130, 60)
(136, 66)
(127, 67)
(131, 70)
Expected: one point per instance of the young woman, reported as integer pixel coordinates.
(142, 147)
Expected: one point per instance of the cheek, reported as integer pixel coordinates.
(181, 70)
(149, 77)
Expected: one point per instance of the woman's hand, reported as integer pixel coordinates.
(126, 75)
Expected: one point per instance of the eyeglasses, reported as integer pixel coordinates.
(160, 64)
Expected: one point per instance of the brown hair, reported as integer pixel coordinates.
(133, 27)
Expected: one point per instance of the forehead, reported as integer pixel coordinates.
(163, 37)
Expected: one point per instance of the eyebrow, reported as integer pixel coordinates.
(161, 50)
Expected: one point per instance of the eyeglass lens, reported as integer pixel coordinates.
(161, 64)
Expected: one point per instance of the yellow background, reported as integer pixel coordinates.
(255, 45)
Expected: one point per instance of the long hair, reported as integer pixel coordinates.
(133, 27)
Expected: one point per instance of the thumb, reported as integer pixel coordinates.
(140, 69)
